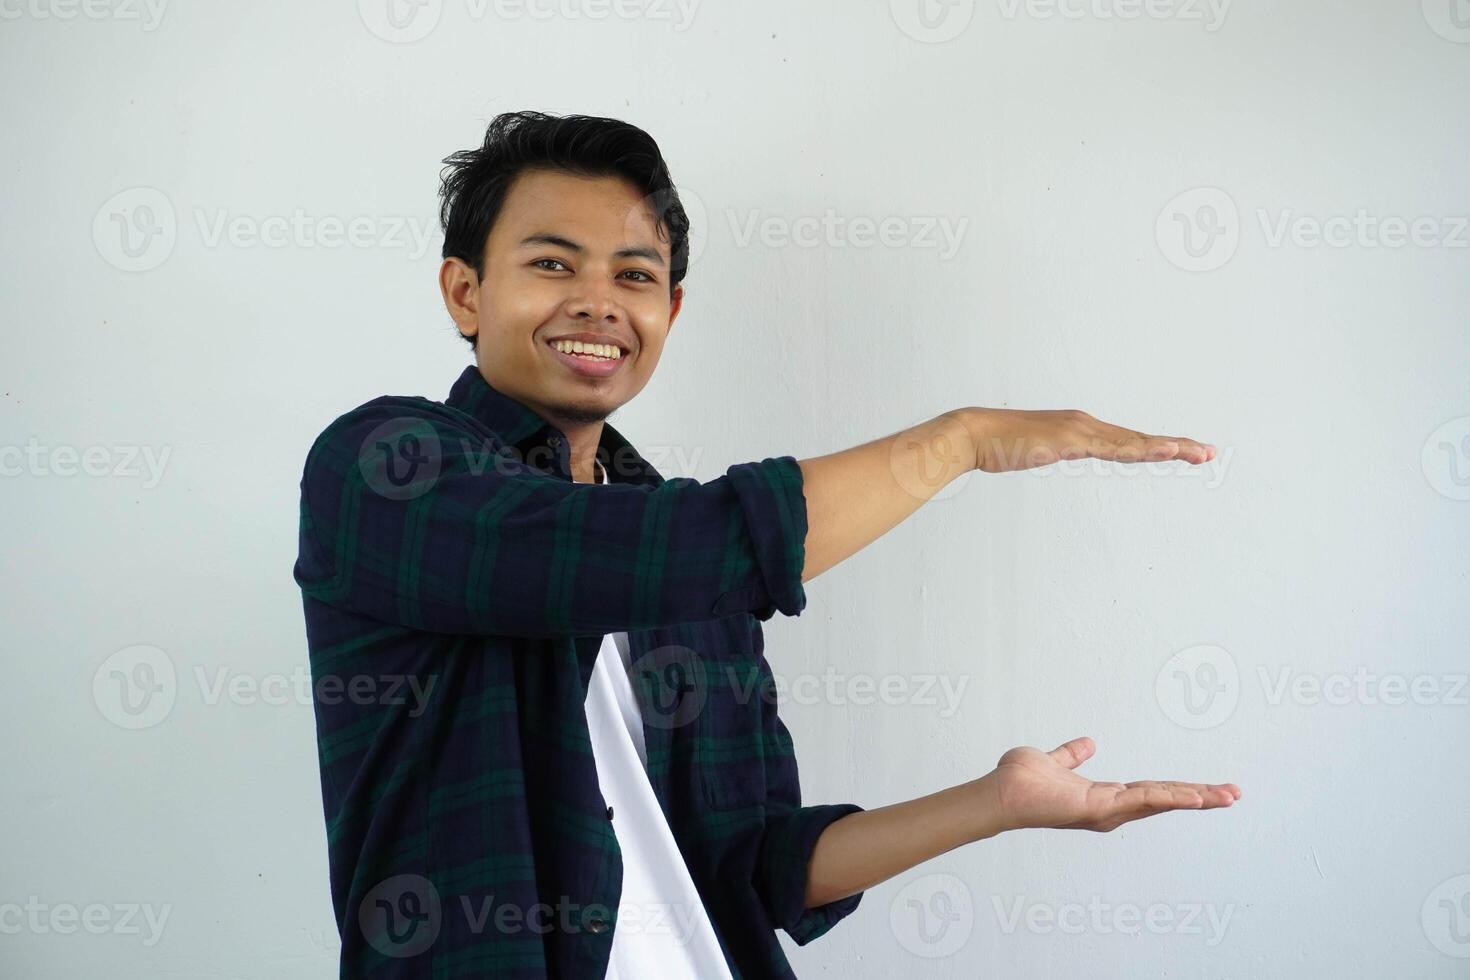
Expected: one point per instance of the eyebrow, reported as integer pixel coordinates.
(636, 252)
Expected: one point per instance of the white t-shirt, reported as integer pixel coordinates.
(662, 929)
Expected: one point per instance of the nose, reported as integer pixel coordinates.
(594, 303)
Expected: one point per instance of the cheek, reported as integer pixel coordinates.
(651, 327)
(519, 308)
(650, 347)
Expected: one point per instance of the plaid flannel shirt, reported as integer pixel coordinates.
(457, 584)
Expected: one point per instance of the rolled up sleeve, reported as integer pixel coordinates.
(785, 852)
(773, 505)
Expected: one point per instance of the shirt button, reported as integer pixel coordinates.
(609, 813)
(598, 925)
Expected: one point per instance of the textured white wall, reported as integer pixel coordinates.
(1159, 613)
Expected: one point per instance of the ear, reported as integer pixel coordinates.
(460, 288)
(675, 305)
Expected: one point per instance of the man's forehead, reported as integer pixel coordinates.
(606, 206)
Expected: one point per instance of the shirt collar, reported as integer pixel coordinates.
(522, 429)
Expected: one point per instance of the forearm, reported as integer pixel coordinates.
(856, 496)
(863, 849)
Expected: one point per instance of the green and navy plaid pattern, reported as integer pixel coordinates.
(457, 585)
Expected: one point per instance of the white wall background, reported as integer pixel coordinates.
(1329, 538)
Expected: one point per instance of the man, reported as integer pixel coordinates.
(548, 737)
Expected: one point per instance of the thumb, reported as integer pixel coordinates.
(1072, 754)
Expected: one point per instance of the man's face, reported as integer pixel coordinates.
(567, 255)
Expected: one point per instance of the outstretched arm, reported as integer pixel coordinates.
(411, 516)
(1027, 788)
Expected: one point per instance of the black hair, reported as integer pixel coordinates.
(474, 183)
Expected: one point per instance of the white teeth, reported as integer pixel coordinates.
(601, 352)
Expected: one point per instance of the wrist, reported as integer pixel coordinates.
(968, 428)
(987, 817)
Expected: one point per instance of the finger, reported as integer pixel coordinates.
(1147, 798)
(1118, 444)
(1134, 801)
(1190, 450)
(1129, 446)
(1155, 796)
(1228, 789)
(1072, 754)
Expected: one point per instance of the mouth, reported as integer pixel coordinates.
(593, 361)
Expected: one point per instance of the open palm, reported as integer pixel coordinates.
(1040, 789)
(1009, 439)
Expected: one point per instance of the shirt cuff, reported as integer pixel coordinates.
(786, 851)
(771, 498)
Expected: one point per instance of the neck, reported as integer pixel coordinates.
(583, 429)
(583, 441)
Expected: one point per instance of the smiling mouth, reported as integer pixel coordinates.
(593, 353)
(590, 364)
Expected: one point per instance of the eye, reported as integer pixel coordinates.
(538, 262)
(646, 276)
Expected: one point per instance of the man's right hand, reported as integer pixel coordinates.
(1008, 439)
